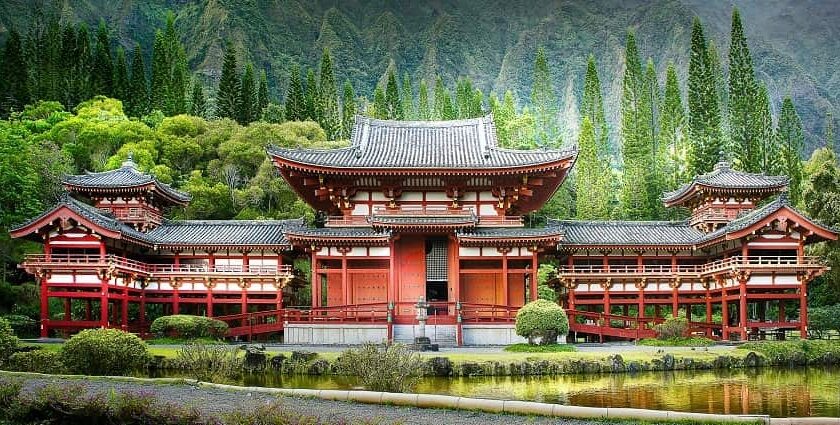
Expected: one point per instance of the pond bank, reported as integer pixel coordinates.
(214, 401)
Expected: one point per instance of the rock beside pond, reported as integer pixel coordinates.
(471, 369)
(303, 356)
(277, 362)
(616, 363)
(752, 360)
(255, 358)
(319, 367)
(439, 366)
(634, 367)
(668, 361)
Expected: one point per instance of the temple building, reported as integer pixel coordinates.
(424, 217)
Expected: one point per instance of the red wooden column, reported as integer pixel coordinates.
(124, 307)
(392, 289)
(724, 310)
(103, 294)
(707, 285)
(243, 298)
(143, 308)
(345, 282)
(675, 297)
(803, 306)
(279, 304)
(67, 314)
(641, 287)
(316, 285)
(45, 305)
(534, 273)
(505, 283)
(742, 303)
(607, 307)
(209, 284)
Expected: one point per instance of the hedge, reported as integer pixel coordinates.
(104, 352)
(188, 327)
(8, 341)
(40, 361)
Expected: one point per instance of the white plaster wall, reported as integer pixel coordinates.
(380, 251)
(495, 335)
(318, 334)
(468, 251)
(439, 334)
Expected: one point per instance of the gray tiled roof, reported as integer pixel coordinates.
(223, 232)
(512, 232)
(338, 232)
(627, 232)
(126, 176)
(724, 177)
(459, 144)
(91, 213)
(396, 220)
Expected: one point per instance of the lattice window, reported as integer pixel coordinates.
(436, 265)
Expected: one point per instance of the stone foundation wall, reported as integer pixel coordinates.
(334, 334)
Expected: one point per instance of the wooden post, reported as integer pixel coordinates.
(124, 308)
(209, 302)
(103, 302)
(176, 298)
(803, 307)
(316, 283)
(345, 283)
(279, 304)
(675, 302)
(534, 275)
(67, 314)
(742, 306)
(45, 307)
(505, 284)
(243, 301)
(724, 310)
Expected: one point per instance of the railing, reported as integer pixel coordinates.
(415, 210)
(347, 221)
(500, 221)
(695, 270)
(127, 264)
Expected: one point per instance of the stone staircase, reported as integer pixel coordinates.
(443, 335)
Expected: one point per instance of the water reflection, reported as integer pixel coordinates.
(774, 391)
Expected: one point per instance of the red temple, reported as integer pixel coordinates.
(431, 211)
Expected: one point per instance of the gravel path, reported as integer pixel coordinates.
(217, 402)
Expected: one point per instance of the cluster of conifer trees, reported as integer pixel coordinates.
(663, 140)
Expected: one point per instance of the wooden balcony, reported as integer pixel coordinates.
(72, 263)
(695, 271)
(407, 212)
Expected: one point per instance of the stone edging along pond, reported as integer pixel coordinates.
(309, 363)
(465, 403)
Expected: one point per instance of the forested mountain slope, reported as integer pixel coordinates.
(491, 41)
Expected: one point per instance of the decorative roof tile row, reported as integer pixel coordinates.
(724, 177)
(127, 176)
(459, 144)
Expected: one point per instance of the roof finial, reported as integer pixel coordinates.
(722, 164)
(129, 161)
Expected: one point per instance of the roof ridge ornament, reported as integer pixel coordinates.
(723, 162)
(129, 161)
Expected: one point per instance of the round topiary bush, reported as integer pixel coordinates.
(8, 341)
(41, 361)
(541, 319)
(104, 352)
(188, 327)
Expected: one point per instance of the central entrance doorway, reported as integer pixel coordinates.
(437, 276)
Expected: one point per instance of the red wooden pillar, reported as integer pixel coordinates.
(534, 274)
(279, 290)
(392, 289)
(176, 298)
(708, 312)
(724, 310)
(345, 282)
(243, 300)
(209, 302)
(316, 284)
(742, 306)
(67, 313)
(88, 308)
(782, 314)
(143, 308)
(641, 307)
(607, 306)
(505, 280)
(803, 307)
(103, 302)
(45, 307)
(124, 308)
(675, 301)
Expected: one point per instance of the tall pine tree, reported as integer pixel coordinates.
(160, 75)
(330, 113)
(137, 103)
(592, 177)
(743, 101)
(295, 98)
(424, 111)
(348, 110)
(658, 153)
(227, 97)
(14, 86)
(637, 152)
(103, 67)
(703, 106)
(393, 104)
(768, 143)
(380, 106)
(792, 142)
(592, 106)
(407, 98)
(672, 132)
(828, 135)
(262, 95)
(83, 52)
(544, 103)
(198, 102)
(121, 83)
(247, 103)
(313, 97)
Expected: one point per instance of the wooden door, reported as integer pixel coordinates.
(411, 281)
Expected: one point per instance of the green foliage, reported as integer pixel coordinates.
(821, 197)
(137, 103)
(530, 348)
(295, 102)
(782, 351)
(348, 111)
(198, 103)
(330, 115)
(104, 352)
(312, 98)
(544, 103)
(227, 97)
(592, 176)
(393, 105)
(14, 88)
(681, 341)
(541, 319)
(103, 67)
(673, 134)
(8, 341)
(246, 105)
(823, 320)
(744, 103)
(672, 327)
(38, 361)
(209, 362)
(703, 106)
(22, 326)
(188, 327)
(389, 367)
(791, 144)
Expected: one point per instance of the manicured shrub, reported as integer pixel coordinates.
(823, 320)
(188, 327)
(691, 341)
(8, 341)
(104, 352)
(541, 319)
(389, 367)
(209, 362)
(672, 328)
(41, 361)
(23, 326)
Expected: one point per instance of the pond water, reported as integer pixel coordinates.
(777, 392)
